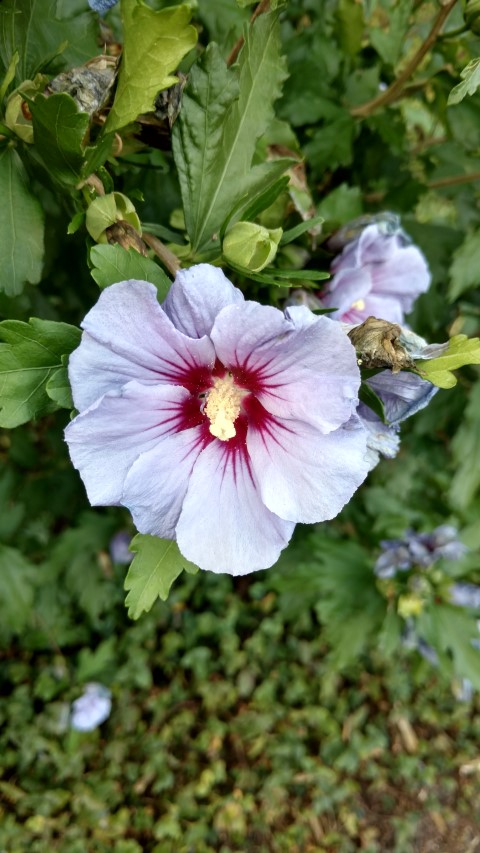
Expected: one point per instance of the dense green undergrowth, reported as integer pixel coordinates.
(230, 732)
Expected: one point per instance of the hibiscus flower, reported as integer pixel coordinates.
(218, 422)
(379, 273)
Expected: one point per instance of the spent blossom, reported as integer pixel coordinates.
(92, 708)
(218, 422)
(379, 273)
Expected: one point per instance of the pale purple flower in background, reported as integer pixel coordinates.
(101, 6)
(91, 708)
(419, 549)
(378, 273)
(218, 422)
(465, 595)
(119, 547)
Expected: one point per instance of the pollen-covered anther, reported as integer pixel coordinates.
(223, 406)
(359, 305)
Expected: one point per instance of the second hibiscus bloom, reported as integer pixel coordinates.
(218, 422)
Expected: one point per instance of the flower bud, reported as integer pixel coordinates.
(251, 246)
(17, 114)
(107, 210)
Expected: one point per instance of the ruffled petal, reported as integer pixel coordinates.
(196, 297)
(304, 475)
(305, 372)
(156, 484)
(224, 525)
(128, 336)
(105, 440)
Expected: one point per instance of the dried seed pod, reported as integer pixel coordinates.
(89, 85)
(377, 343)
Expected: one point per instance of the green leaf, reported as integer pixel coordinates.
(293, 233)
(368, 396)
(389, 41)
(452, 629)
(465, 269)
(9, 76)
(224, 112)
(46, 30)
(59, 133)
(31, 353)
(461, 350)
(470, 77)
(154, 45)
(157, 563)
(114, 263)
(17, 578)
(21, 227)
(342, 205)
(349, 25)
(58, 388)
(466, 454)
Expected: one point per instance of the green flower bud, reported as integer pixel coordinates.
(17, 113)
(251, 246)
(106, 211)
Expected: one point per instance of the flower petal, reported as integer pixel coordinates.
(196, 297)
(128, 336)
(345, 289)
(307, 371)
(304, 475)
(156, 484)
(224, 525)
(105, 440)
(403, 394)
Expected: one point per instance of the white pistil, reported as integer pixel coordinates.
(359, 305)
(223, 406)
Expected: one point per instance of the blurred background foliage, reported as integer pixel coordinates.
(287, 710)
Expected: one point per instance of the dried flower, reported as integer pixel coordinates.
(91, 708)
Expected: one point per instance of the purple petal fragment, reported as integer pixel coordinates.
(92, 708)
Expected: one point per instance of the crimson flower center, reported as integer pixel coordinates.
(222, 407)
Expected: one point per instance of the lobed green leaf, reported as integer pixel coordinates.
(224, 113)
(30, 356)
(155, 42)
(114, 263)
(461, 350)
(157, 563)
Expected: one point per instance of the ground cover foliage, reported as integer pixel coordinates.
(315, 706)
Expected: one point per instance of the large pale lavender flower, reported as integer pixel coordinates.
(218, 422)
(379, 273)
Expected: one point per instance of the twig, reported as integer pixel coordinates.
(262, 7)
(168, 259)
(395, 90)
(454, 180)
